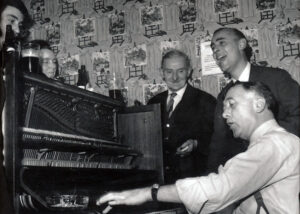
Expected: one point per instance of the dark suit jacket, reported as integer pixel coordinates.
(191, 119)
(286, 92)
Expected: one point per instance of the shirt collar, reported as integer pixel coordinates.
(262, 129)
(244, 77)
(179, 93)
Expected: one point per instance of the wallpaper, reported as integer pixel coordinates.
(120, 42)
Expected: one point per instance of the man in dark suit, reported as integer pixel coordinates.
(187, 119)
(232, 53)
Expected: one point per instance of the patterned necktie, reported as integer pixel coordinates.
(170, 104)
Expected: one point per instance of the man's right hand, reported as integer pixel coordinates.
(128, 197)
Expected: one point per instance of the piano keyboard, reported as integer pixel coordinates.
(48, 149)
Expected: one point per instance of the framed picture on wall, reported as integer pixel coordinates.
(84, 27)
(136, 56)
(151, 15)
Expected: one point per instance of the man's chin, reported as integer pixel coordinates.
(175, 87)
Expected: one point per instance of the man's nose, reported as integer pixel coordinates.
(225, 114)
(175, 76)
(51, 65)
(16, 28)
(215, 49)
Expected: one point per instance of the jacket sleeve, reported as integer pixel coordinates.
(288, 95)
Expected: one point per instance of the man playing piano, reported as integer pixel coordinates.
(264, 177)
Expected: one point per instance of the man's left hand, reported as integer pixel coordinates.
(187, 147)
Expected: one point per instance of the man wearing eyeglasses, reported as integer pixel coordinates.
(187, 119)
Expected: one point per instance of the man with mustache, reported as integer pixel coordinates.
(263, 179)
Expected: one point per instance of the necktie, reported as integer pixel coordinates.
(170, 104)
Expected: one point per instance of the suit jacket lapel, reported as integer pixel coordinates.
(254, 73)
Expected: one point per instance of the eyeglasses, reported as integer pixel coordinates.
(47, 61)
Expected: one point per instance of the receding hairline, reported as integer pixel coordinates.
(229, 31)
(176, 54)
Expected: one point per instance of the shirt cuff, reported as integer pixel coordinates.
(191, 194)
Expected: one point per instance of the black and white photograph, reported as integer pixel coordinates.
(149, 107)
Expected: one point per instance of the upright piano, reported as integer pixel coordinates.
(65, 146)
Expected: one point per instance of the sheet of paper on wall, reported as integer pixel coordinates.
(208, 64)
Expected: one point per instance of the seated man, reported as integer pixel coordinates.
(264, 177)
(187, 119)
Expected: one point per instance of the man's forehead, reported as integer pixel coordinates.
(13, 13)
(175, 61)
(222, 34)
(236, 92)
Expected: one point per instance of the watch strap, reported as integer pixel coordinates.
(154, 190)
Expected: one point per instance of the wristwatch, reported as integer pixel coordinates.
(154, 190)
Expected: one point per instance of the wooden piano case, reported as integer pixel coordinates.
(65, 146)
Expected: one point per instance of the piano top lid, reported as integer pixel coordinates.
(55, 85)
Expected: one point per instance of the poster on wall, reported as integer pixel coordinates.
(252, 37)
(84, 27)
(224, 6)
(265, 5)
(198, 40)
(38, 9)
(209, 66)
(101, 61)
(53, 33)
(150, 90)
(66, 1)
(116, 23)
(151, 15)
(288, 33)
(187, 11)
(166, 46)
(136, 56)
(69, 66)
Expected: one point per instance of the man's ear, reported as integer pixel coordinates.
(190, 73)
(162, 74)
(242, 44)
(259, 104)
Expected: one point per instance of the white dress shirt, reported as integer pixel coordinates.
(245, 75)
(270, 164)
(178, 97)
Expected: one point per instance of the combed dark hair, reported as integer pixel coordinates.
(262, 90)
(176, 53)
(27, 22)
(248, 50)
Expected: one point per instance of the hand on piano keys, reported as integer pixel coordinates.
(128, 197)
